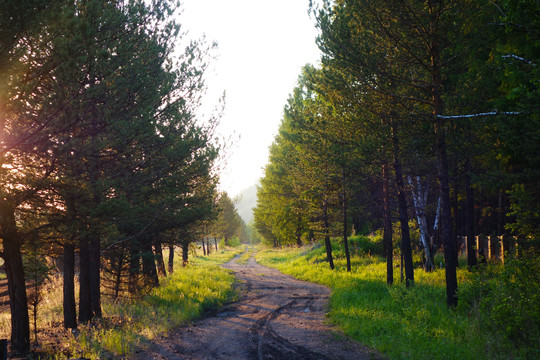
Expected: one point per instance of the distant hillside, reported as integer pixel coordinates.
(247, 201)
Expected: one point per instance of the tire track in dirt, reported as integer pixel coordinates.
(276, 317)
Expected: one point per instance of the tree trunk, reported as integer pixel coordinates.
(69, 302)
(95, 274)
(185, 251)
(159, 255)
(345, 240)
(70, 313)
(85, 307)
(94, 241)
(456, 222)
(403, 215)
(327, 243)
(448, 241)
(203, 247)
(387, 227)
(35, 312)
(171, 259)
(215, 242)
(148, 263)
(134, 267)
(119, 268)
(18, 301)
(469, 220)
(419, 194)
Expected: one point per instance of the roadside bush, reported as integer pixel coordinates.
(505, 300)
(364, 245)
(234, 242)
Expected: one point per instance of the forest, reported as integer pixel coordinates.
(421, 112)
(414, 140)
(104, 162)
(420, 128)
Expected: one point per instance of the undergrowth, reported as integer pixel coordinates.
(129, 325)
(183, 296)
(415, 323)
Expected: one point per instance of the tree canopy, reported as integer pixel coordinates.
(421, 111)
(101, 152)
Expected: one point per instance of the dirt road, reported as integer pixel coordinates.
(276, 317)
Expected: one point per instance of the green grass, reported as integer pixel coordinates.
(183, 296)
(217, 258)
(402, 323)
(243, 259)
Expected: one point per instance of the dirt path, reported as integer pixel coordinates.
(277, 317)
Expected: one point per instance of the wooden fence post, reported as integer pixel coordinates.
(490, 248)
(3, 349)
(502, 248)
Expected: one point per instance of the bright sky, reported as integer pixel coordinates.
(262, 46)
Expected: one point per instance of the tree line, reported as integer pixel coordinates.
(423, 113)
(103, 160)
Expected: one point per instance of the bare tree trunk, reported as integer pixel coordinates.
(85, 307)
(345, 240)
(159, 255)
(70, 313)
(134, 267)
(171, 259)
(69, 302)
(119, 268)
(203, 247)
(419, 194)
(185, 253)
(469, 223)
(94, 240)
(95, 274)
(148, 262)
(327, 243)
(403, 215)
(387, 227)
(18, 301)
(448, 241)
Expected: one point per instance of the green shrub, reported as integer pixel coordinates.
(234, 242)
(358, 245)
(364, 245)
(506, 301)
(438, 260)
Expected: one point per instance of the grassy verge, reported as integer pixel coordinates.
(399, 322)
(129, 325)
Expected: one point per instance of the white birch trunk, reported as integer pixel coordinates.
(420, 194)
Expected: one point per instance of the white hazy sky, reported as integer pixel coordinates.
(262, 46)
